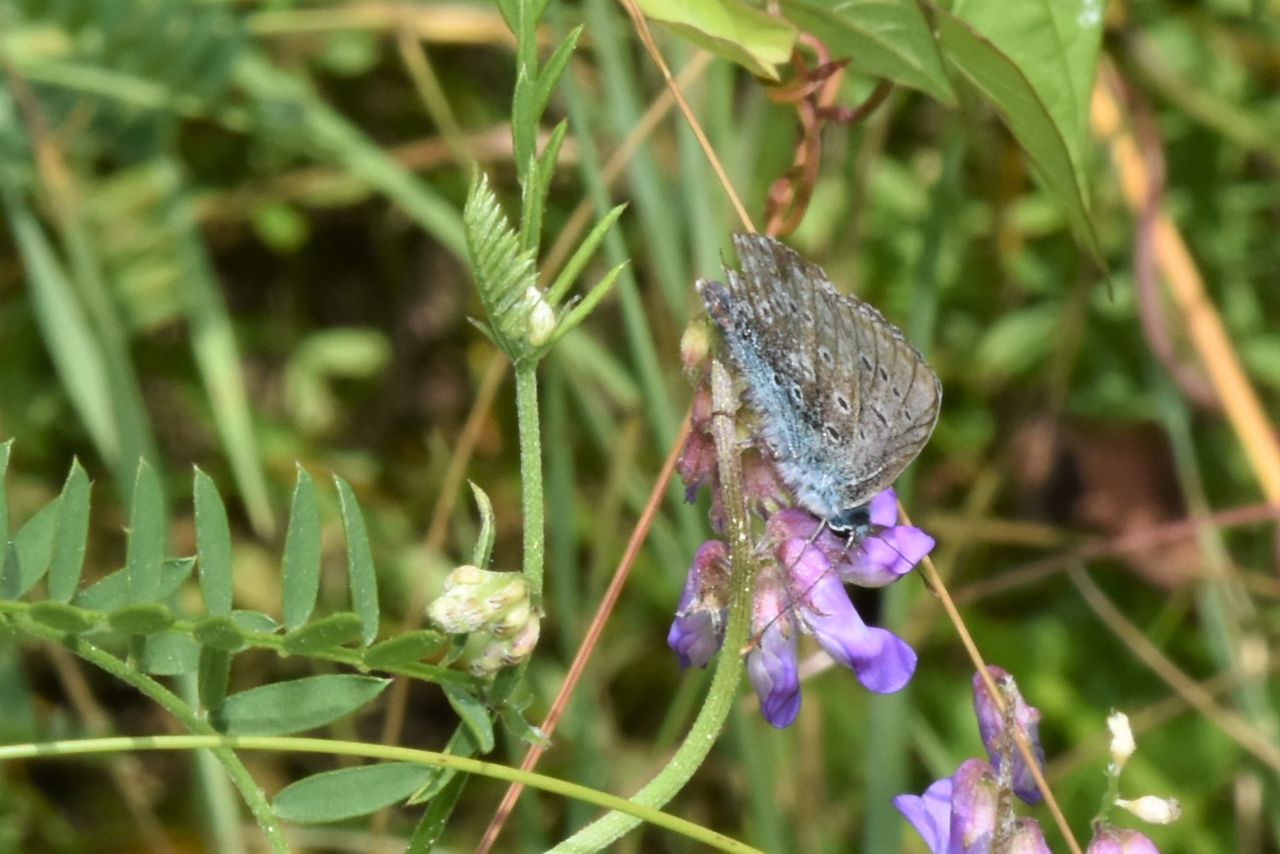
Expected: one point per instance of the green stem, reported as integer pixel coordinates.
(531, 477)
(229, 743)
(173, 704)
(724, 684)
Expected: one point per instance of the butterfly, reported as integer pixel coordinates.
(846, 403)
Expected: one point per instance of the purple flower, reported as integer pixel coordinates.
(999, 743)
(771, 664)
(956, 815)
(1120, 840)
(930, 814)
(698, 629)
(882, 661)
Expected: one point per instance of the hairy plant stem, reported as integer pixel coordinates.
(174, 705)
(724, 684)
(531, 478)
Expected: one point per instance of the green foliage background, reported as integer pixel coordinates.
(234, 239)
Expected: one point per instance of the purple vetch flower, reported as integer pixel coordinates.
(771, 664)
(698, 629)
(882, 661)
(957, 815)
(930, 814)
(1120, 840)
(998, 742)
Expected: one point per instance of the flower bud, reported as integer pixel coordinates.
(994, 729)
(1122, 744)
(542, 317)
(509, 651)
(475, 599)
(698, 629)
(695, 344)
(1153, 809)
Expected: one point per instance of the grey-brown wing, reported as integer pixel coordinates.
(900, 399)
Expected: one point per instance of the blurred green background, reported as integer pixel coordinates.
(233, 239)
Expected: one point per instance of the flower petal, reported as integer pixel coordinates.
(883, 509)
(998, 743)
(698, 629)
(882, 661)
(771, 664)
(929, 814)
(973, 807)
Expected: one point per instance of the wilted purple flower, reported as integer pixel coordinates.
(771, 664)
(998, 742)
(1120, 840)
(698, 629)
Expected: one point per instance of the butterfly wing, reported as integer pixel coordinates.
(846, 402)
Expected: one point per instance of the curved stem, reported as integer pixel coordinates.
(724, 684)
(174, 705)
(228, 743)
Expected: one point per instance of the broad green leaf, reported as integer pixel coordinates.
(474, 715)
(34, 547)
(112, 591)
(361, 577)
(1001, 82)
(71, 537)
(64, 617)
(146, 537)
(283, 708)
(302, 553)
(144, 618)
(883, 38)
(170, 654)
(1056, 46)
(213, 545)
(403, 649)
(348, 792)
(212, 674)
(731, 29)
(325, 633)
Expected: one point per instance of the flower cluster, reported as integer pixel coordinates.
(495, 603)
(803, 567)
(970, 813)
(959, 814)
